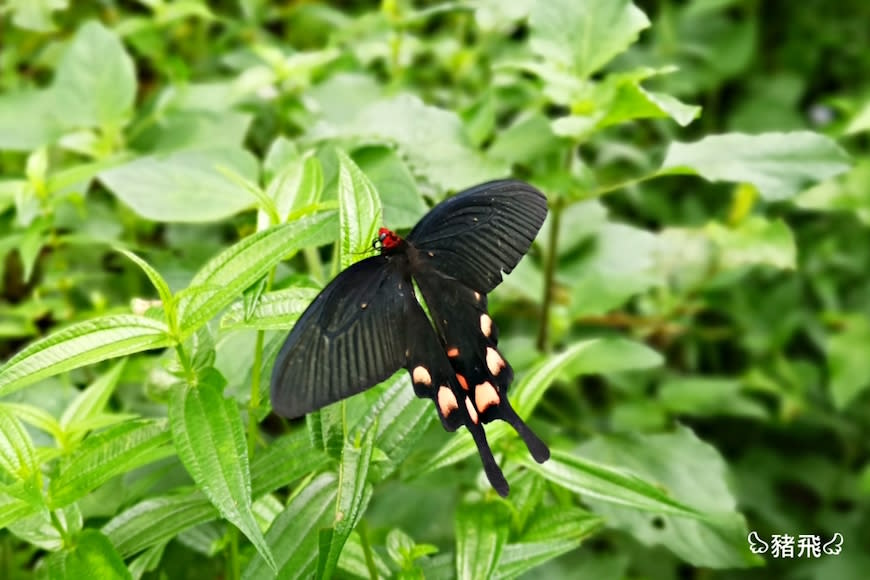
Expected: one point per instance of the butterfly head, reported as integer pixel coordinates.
(386, 240)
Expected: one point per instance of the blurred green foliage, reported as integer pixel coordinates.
(690, 332)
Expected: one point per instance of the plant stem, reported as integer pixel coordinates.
(254, 402)
(362, 528)
(234, 571)
(549, 275)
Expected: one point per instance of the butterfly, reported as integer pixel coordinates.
(368, 323)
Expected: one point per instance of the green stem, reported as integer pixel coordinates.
(604, 189)
(549, 275)
(234, 567)
(254, 402)
(256, 369)
(55, 521)
(362, 528)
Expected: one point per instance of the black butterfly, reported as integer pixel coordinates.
(367, 323)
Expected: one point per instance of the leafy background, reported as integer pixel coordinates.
(690, 331)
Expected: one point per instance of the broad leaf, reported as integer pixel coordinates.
(273, 311)
(584, 36)
(95, 80)
(184, 186)
(779, 165)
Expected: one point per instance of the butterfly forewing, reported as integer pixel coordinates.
(482, 232)
(351, 337)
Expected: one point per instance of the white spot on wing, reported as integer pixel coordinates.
(485, 324)
(421, 375)
(494, 361)
(472, 412)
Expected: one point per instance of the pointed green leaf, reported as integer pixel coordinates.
(210, 440)
(553, 532)
(296, 457)
(226, 276)
(402, 419)
(273, 311)
(157, 281)
(354, 493)
(157, 520)
(13, 509)
(359, 211)
(293, 535)
(91, 556)
(599, 481)
(481, 533)
(82, 344)
(17, 456)
(779, 165)
(109, 453)
(91, 401)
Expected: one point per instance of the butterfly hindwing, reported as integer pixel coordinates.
(481, 232)
(350, 338)
(470, 339)
(435, 378)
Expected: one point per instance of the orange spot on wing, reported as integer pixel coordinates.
(462, 382)
(453, 352)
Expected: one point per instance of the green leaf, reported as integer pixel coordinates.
(620, 264)
(91, 401)
(273, 311)
(226, 276)
(605, 483)
(26, 120)
(157, 520)
(210, 440)
(860, 123)
(35, 416)
(553, 532)
(754, 241)
(585, 357)
(159, 284)
(395, 185)
(359, 211)
(677, 465)
(584, 36)
(82, 344)
(293, 535)
(35, 15)
(708, 396)
(298, 185)
(13, 509)
(17, 456)
(848, 364)
(779, 165)
(481, 533)
(95, 80)
(184, 186)
(401, 419)
(92, 556)
(296, 457)
(431, 140)
(354, 494)
(106, 454)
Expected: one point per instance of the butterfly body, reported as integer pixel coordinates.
(367, 323)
